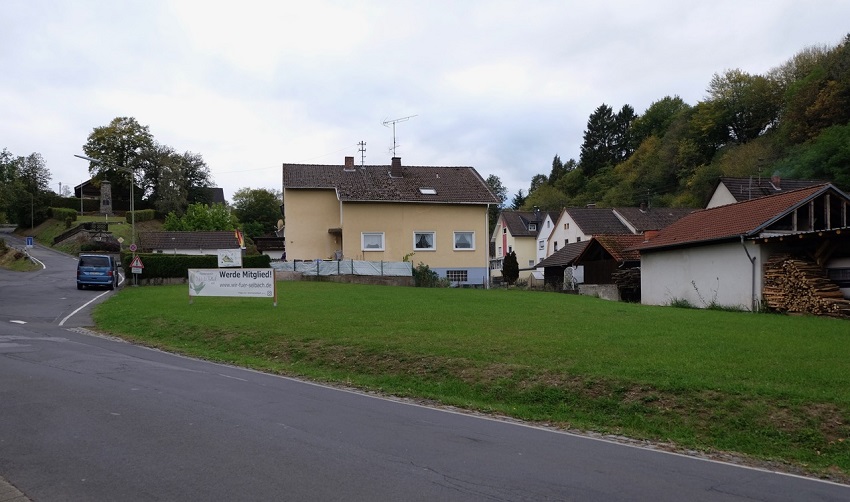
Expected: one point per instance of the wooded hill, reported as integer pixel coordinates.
(793, 121)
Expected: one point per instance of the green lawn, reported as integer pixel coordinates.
(769, 386)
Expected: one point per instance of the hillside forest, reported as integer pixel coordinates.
(792, 122)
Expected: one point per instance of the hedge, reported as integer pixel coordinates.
(141, 215)
(166, 266)
(62, 213)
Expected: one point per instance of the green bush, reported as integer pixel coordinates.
(141, 215)
(424, 277)
(63, 213)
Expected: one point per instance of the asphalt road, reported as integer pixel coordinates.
(84, 417)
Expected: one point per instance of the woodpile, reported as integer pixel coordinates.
(800, 286)
(628, 278)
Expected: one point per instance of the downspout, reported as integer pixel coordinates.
(753, 280)
(487, 253)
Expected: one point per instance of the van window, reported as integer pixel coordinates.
(94, 261)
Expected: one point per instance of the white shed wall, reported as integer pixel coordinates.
(721, 274)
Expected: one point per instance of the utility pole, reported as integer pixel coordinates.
(362, 151)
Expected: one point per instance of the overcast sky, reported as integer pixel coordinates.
(502, 86)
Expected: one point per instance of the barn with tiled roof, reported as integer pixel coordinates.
(717, 255)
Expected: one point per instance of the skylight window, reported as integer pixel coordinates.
(428, 191)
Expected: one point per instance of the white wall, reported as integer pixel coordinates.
(721, 197)
(719, 273)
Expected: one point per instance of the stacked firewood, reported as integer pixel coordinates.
(628, 278)
(800, 286)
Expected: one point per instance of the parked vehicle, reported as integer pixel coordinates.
(97, 270)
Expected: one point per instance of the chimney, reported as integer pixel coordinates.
(349, 164)
(776, 181)
(395, 168)
(649, 235)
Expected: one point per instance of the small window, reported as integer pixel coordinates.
(372, 241)
(464, 241)
(510, 249)
(530, 263)
(424, 241)
(532, 227)
(548, 223)
(504, 230)
(578, 239)
(541, 244)
(555, 244)
(566, 241)
(456, 275)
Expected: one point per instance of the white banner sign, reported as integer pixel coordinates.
(244, 282)
(229, 258)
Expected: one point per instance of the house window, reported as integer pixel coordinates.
(578, 239)
(499, 251)
(530, 263)
(424, 241)
(548, 223)
(510, 249)
(532, 227)
(505, 230)
(566, 241)
(372, 241)
(555, 244)
(464, 241)
(541, 245)
(566, 226)
(456, 275)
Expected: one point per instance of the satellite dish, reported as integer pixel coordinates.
(279, 225)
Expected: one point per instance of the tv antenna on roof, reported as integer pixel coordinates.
(394, 122)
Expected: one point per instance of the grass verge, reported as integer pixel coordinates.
(767, 386)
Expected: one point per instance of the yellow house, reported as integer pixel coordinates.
(433, 215)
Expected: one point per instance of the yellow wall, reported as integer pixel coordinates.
(309, 214)
(399, 222)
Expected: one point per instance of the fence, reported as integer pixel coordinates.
(347, 267)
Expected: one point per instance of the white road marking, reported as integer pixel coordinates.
(82, 307)
(17, 321)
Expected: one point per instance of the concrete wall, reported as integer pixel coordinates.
(720, 274)
(604, 291)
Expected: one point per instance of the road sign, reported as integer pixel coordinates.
(30, 242)
(136, 265)
(133, 248)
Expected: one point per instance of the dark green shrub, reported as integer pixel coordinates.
(63, 213)
(141, 215)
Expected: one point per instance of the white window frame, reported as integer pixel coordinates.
(364, 235)
(541, 245)
(471, 244)
(433, 240)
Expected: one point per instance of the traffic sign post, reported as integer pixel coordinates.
(136, 267)
(30, 242)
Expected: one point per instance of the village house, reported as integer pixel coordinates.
(436, 216)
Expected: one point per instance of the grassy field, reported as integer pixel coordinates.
(768, 386)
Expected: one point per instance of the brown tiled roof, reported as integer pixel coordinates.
(731, 221)
(620, 247)
(595, 220)
(517, 222)
(453, 185)
(654, 218)
(565, 256)
(187, 240)
(752, 188)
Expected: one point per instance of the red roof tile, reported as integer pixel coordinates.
(745, 218)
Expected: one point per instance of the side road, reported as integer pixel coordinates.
(9, 493)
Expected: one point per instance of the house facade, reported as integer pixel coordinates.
(433, 215)
(520, 232)
(718, 255)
